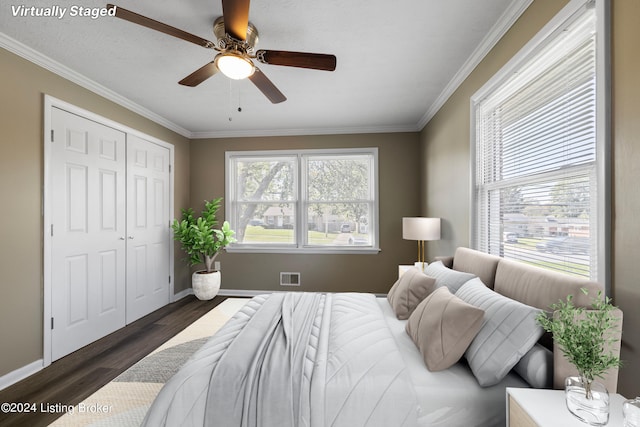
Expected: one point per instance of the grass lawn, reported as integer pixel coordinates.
(268, 235)
(279, 235)
(572, 268)
(529, 244)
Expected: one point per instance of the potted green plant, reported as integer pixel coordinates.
(203, 242)
(585, 339)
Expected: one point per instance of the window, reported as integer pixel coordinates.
(539, 151)
(303, 201)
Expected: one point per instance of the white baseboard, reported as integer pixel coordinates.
(20, 373)
(223, 292)
(252, 293)
(246, 293)
(182, 294)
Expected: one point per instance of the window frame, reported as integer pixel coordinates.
(301, 246)
(603, 122)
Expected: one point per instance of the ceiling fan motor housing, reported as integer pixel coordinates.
(225, 41)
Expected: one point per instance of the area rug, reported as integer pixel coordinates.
(125, 401)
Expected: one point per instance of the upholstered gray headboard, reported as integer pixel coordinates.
(482, 265)
(536, 287)
(528, 284)
(540, 288)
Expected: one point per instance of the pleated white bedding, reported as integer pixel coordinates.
(294, 359)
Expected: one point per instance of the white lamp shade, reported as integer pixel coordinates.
(418, 228)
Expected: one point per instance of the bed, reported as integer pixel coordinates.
(352, 359)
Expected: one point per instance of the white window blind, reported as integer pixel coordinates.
(536, 180)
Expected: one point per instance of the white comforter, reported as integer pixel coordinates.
(453, 397)
(294, 359)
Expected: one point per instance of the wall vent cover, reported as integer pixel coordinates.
(289, 279)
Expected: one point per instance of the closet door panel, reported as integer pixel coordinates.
(148, 227)
(87, 233)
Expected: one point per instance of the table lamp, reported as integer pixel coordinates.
(420, 229)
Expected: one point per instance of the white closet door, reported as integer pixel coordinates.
(88, 231)
(148, 237)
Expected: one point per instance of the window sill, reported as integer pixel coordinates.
(309, 250)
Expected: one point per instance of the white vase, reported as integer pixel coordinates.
(205, 285)
(593, 409)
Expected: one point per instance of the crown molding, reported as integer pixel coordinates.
(300, 132)
(508, 18)
(65, 72)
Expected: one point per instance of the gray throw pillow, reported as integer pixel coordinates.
(509, 331)
(408, 291)
(536, 367)
(444, 276)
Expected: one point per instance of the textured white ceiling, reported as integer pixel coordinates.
(394, 60)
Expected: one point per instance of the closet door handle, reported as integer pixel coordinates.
(122, 238)
(130, 237)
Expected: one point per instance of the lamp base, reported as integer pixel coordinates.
(420, 265)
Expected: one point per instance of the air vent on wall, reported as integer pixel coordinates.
(289, 279)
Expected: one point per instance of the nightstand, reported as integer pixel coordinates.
(530, 407)
(403, 268)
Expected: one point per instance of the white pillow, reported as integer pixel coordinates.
(508, 333)
(445, 276)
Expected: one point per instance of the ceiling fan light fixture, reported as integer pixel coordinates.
(234, 65)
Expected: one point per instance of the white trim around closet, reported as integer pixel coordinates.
(49, 103)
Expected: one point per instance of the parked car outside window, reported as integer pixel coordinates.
(509, 237)
(565, 244)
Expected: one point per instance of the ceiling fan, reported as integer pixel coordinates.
(236, 40)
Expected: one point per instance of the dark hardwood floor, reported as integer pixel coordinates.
(75, 377)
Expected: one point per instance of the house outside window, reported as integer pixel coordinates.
(313, 201)
(540, 150)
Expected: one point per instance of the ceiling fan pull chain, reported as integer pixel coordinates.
(230, 101)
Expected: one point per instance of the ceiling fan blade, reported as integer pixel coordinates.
(236, 18)
(130, 16)
(267, 87)
(315, 61)
(200, 75)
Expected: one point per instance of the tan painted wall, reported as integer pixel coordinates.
(399, 183)
(626, 175)
(23, 86)
(445, 154)
(21, 120)
(445, 139)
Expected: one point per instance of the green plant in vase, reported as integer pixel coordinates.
(585, 338)
(198, 236)
(583, 335)
(202, 242)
